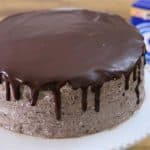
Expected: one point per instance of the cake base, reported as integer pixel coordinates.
(121, 136)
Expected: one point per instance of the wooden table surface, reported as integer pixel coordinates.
(122, 7)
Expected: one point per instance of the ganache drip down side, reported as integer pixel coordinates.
(96, 89)
(47, 49)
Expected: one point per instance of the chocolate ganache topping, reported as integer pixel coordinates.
(47, 49)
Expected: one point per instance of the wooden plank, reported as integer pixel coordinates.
(8, 7)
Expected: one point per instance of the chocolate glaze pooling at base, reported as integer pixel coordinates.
(50, 48)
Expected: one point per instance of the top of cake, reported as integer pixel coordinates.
(77, 46)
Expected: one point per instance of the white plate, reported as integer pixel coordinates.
(129, 132)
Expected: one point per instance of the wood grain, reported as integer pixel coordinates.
(122, 7)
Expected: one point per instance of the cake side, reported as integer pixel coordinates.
(116, 105)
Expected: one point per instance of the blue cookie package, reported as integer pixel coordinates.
(140, 17)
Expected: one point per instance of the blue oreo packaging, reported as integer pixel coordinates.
(140, 18)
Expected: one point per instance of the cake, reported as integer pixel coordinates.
(69, 73)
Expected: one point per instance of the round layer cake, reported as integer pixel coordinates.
(68, 73)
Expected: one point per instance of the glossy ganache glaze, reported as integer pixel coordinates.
(47, 49)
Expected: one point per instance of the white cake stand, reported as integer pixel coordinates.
(127, 133)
